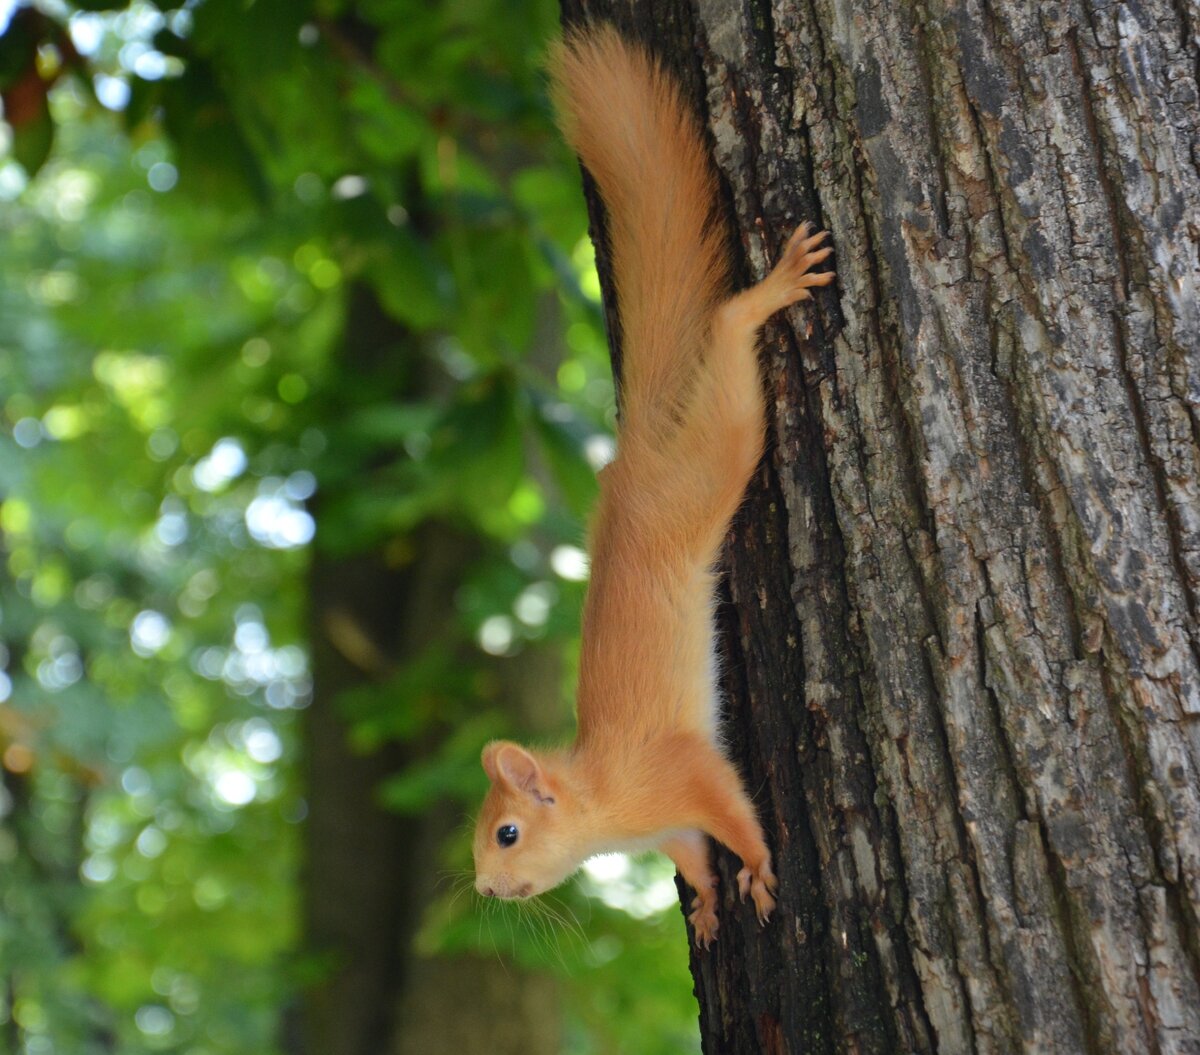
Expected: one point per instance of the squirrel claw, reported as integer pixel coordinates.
(759, 885)
(703, 919)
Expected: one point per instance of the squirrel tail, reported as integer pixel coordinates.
(625, 118)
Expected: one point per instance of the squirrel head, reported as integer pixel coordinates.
(524, 838)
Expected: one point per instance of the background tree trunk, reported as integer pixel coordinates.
(963, 674)
(370, 874)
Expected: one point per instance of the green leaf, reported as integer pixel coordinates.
(18, 47)
(214, 160)
(505, 301)
(453, 771)
(257, 39)
(431, 688)
(22, 89)
(564, 435)
(411, 284)
(170, 43)
(388, 130)
(391, 424)
(477, 446)
(144, 99)
(33, 139)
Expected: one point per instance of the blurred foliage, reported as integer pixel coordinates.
(190, 194)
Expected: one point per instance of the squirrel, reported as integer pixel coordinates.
(647, 769)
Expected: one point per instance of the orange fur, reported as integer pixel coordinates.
(646, 768)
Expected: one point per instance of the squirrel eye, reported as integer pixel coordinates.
(507, 834)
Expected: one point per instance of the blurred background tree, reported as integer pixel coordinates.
(304, 385)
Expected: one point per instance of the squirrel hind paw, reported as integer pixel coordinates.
(802, 253)
(703, 919)
(704, 927)
(792, 277)
(803, 240)
(759, 885)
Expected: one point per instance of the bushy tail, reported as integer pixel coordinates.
(625, 118)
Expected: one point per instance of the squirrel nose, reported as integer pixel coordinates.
(486, 891)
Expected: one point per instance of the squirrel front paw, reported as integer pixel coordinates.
(760, 884)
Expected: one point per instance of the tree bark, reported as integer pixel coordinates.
(963, 643)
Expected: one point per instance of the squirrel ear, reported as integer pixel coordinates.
(488, 758)
(517, 768)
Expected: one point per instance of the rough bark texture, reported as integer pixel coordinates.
(963, 638)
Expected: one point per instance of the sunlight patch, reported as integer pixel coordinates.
(570, 563)
(149, 632)
(225, 462)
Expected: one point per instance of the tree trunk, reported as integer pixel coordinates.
(370, 874)
(962, 645)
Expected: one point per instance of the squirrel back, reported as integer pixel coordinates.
(648, 661)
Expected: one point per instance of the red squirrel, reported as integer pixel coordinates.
(647, 769)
